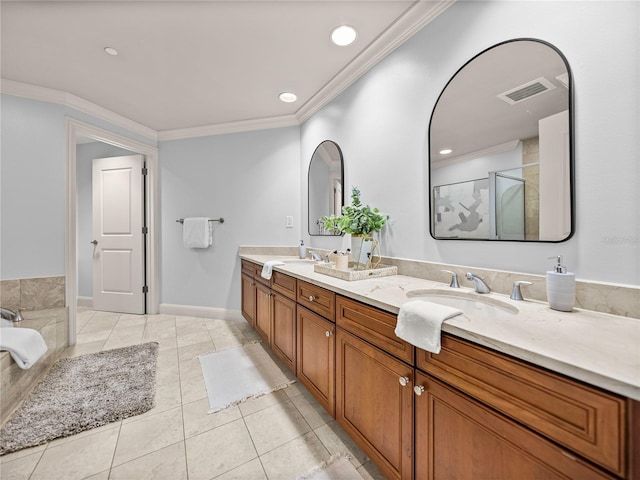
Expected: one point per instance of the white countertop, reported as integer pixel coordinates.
(600, 349)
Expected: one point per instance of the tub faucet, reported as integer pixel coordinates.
(10, 315)
(478, 283)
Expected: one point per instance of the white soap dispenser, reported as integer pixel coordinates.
(561, 287)
(302, 250)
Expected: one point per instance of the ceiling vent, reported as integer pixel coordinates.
(527, 90)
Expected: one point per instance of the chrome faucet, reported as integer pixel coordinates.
(315, 256)
(10, 315)
(454, 278)
(478, 283)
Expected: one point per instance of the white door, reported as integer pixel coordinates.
(118, 219)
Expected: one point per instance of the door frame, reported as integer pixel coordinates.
(74, 130)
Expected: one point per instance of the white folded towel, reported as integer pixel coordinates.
(268, 267)
(420, 323)
(197, 232)
(25, 345)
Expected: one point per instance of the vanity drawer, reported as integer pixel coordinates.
(588, 421)
(248, 267)
(284, 284)
(374, 326)
(317, 299)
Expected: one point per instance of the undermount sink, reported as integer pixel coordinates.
(473, 305)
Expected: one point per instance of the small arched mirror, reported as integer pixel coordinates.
(326, 178)
(501, 147)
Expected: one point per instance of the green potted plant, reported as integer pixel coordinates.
(357, 219)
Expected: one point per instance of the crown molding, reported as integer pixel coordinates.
(35, 92)
(229, 127)
(413, 19)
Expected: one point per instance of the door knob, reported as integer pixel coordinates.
(418, 389)
(95, 242)
(404, 381)
(327, 333)
(312, 298)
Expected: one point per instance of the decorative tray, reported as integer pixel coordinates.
(351, 274)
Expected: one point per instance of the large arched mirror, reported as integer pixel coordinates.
(326, 178)
(501, 147)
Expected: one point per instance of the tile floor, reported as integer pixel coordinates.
(277, 436)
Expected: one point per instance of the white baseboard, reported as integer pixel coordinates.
(85, 302)
(204, 312)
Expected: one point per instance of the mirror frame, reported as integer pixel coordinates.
(571, 145)
(309, 182)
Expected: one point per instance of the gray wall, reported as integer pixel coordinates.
(253, 181)
(85, 153)
(381, 123)
(32, 189)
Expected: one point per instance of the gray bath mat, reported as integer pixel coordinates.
(82, 393)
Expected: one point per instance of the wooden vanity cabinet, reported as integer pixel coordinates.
(263, 312)
(456, 437)
(374, 380)
(248, 293)
(374, 403)
(283, 334)
(316, 356)
(583, 419)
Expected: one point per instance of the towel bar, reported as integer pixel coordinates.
(221, 220)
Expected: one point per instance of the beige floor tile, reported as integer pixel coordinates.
(190, 368)
(369, 471)
(193, 388)
(95, 336)
(99, 476)
(159, 332)
(100, 322)
(223, 342)
(219, 450)
(124, 337)
(127, 320)
(20, 468)
(78, 459)
(169, 463)
(166, 358)
(275, 426)
(167, 374)
(10, 457)
(192, 351)
(336, 440)
(197, 419)
(186, 339)
(167, 397)
(83, 348)
(294, 458)
(146, 435)
(85, 434)
(254, 405)
(249, 471)
(311, 410)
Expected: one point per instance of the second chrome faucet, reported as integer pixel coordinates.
(478, 283)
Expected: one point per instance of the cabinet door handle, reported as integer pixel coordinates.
(404, 381)
(418, 390)
(327, 333)
(312, 298)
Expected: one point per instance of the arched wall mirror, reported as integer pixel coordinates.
(501, 147)
(326, 180)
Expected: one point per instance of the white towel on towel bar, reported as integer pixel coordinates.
(420, 323)
(25, 345)
(197, 232)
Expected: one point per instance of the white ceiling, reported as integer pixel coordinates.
(188, 65)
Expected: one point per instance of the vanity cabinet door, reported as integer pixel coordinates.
(316, 357)
(284, 330)
(249, 299)
(374, 403)
(263, 312)
(460, 438)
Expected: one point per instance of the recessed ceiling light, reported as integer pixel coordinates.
(111, 51)
(288, 97)
(343, 35)
(446, 151)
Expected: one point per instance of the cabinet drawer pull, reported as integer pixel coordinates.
(312, 298)
(327, 333)
(404, 381)
(418, 389)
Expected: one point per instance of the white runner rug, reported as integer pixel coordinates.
(236, 374)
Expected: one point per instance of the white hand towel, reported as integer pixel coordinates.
(197, 232)
(25, 345)
(420, 323)
(268, 267)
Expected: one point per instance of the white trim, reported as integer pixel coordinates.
(201, 312)
(85, 302)
(229, 127)
(35, 92)
(413, 19)
(75, 129)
